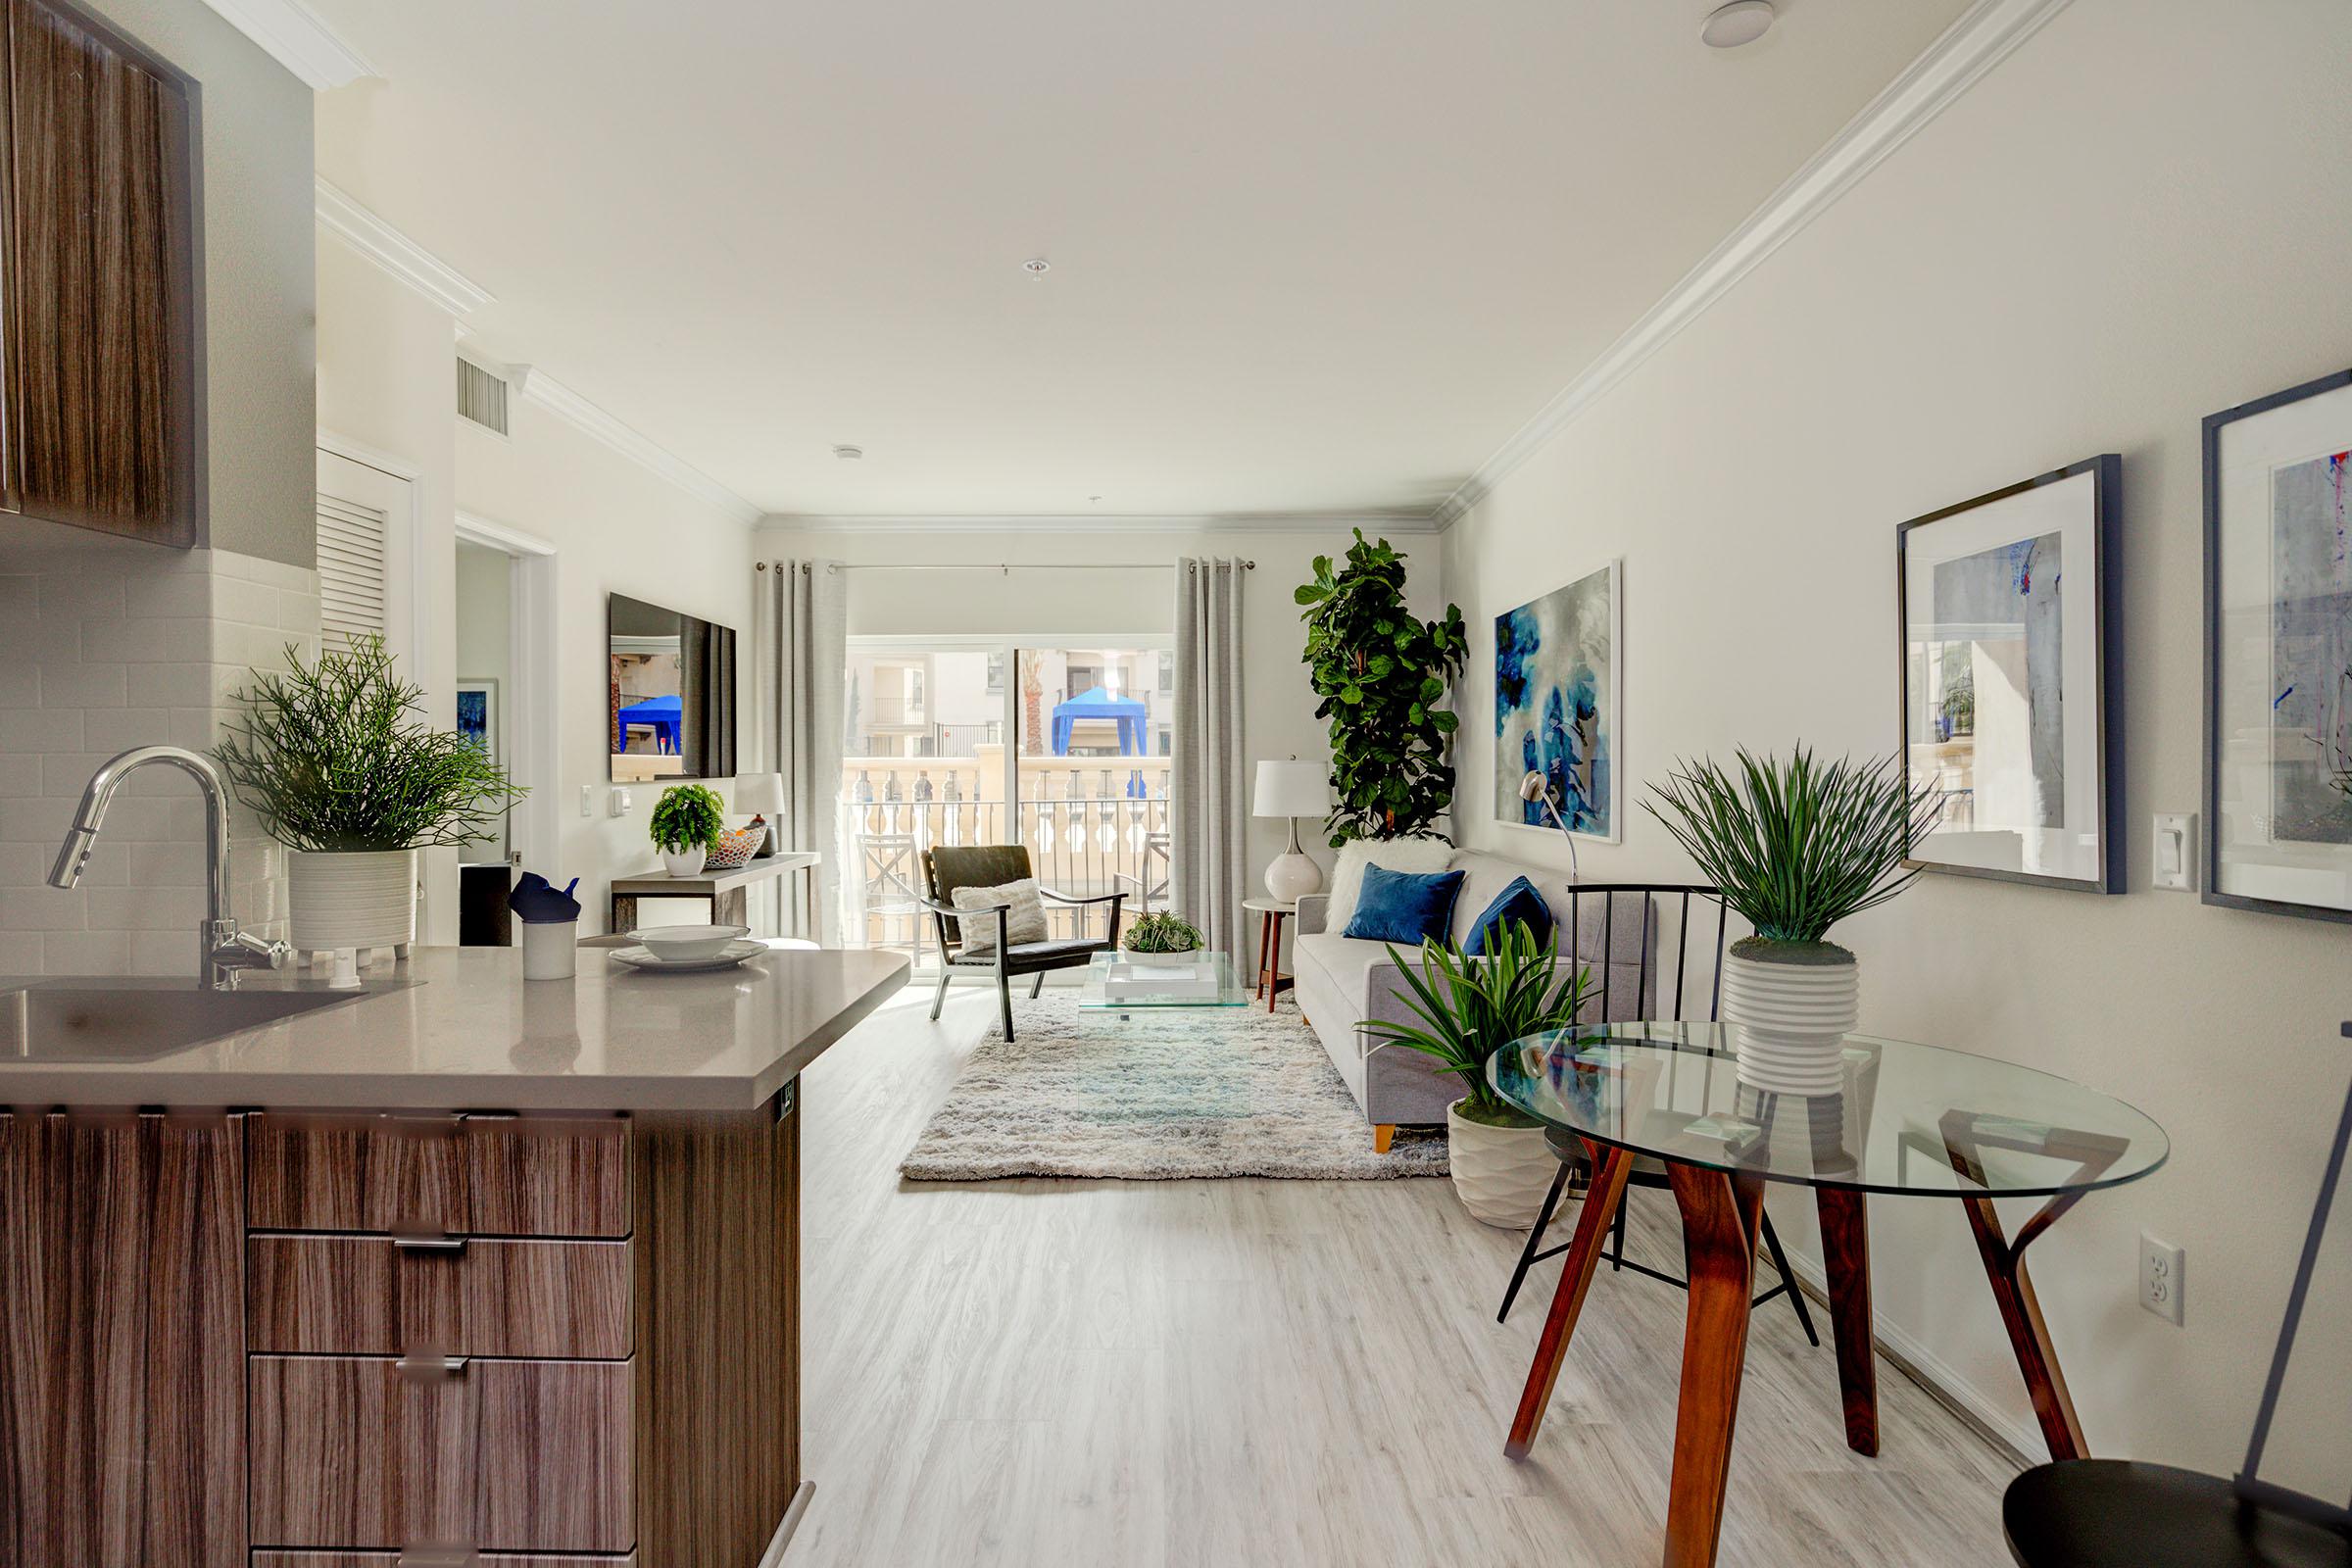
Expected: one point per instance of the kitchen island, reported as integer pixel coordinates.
(461, 1268)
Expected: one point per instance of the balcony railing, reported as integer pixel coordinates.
(1091, 825)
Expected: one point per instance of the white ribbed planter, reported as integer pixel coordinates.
(685, 863)
(351, 901)
(1500, 1173)
(1794, 1006)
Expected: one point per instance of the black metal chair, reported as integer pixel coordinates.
(2119, 1514)
(946, 869)
(1642, 1002)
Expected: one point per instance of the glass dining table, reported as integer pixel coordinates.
(1907, 1120)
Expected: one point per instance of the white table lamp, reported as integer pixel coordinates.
(1293, 789)
(762, 795)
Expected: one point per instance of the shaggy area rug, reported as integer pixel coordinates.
(1183, 1092)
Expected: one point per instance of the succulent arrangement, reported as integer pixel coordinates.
(688, 816)
(1161, 933)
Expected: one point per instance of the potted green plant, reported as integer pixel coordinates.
(1161, 933)
(1380, 672)
(329, 756)
(687, 822)
(1796, 846)
(1469, 1009)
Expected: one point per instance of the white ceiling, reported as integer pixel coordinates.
(1307, 257)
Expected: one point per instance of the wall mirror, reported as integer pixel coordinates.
(669, 693)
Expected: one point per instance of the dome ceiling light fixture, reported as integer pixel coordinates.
(1037, 266)
(1742, 21)
(849, 453)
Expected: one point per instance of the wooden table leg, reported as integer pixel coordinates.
(625, 914)
(2029, 1334)
(1273, 952)
(1266, 926)
(1720, 1215)
(1845, 1259)
(1610, 1167)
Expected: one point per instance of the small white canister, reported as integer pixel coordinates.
(550, 949)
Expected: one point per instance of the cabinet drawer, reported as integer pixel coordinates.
(428, 1559)
(360, 1453)
(372, 1296)
(455, 1175)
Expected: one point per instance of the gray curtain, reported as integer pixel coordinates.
(800, 628)
(1208, 812)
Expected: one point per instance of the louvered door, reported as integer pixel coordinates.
(351, 570)
(365, 549)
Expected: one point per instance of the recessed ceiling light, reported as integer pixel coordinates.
(1037, 266)
(1740, 22)
(849, 453)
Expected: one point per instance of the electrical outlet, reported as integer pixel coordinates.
(2161, 1279)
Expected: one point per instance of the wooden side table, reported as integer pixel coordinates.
(725, 889)
(1271, 912)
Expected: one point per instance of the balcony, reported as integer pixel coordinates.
(1091, 825)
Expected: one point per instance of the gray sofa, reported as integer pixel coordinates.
(1342, 981)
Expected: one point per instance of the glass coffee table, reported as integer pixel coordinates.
(1908, 1120)
(1096, 996)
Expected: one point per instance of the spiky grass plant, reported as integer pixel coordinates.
(1796, 845)
(1471, 1008)
(329, 758)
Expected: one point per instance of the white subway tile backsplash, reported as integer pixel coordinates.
(23, 865)
(115, 729)
(180, 594)
(136, 908)
(89, 953)
(83, 686)
(43, 908)
(40, 729)
(81, 595)
(171, 864)
(146, 642)
(20, 684)
(21, 953)
(249, 603)
(34, 820)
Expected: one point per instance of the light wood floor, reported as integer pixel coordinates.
(1294, 1373)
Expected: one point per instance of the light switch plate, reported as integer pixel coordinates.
(587, 799)
(2175, 848)
(618, 804)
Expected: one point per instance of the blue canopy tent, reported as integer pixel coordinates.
(1095, 703)
(664, 714)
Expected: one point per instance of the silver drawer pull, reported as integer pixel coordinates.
(448, 1244)
(430, 1366)
(440, 1558)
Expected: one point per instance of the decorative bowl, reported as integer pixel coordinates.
(734, 849)
(688, 944)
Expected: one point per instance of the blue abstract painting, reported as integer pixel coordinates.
(1555, 705)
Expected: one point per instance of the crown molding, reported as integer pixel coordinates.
(299, 39)
(537, 386)
(1983, 36)
(1262, 522)
(396, 254)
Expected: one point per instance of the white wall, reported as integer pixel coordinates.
(2124, 227)
(1279, 710)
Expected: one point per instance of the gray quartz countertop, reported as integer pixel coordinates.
(460, 1029)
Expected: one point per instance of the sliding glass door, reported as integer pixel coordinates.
(1054, 744)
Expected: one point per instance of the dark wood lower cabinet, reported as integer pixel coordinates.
(121, 1355)
(392, 1559)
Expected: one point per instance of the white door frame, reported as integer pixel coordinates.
(533, 707)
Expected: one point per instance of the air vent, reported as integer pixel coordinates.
(482, 397)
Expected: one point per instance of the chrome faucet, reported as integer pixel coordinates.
(224, 952)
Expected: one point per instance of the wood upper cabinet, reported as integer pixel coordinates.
(97, 300)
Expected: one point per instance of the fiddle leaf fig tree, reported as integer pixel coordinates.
(1381, 674)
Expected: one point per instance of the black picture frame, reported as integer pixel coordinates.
(2209, 867)
(2106, 472)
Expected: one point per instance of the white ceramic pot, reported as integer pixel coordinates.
(685, 863)
(1500, 1173)
(338, 900)
(1794, 1005)
(550, 949)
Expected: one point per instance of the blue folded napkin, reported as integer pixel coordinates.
(536, 899)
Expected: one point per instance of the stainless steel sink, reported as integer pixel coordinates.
(137, 1019)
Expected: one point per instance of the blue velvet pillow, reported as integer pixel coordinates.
(1404, 906)
(1517, 904)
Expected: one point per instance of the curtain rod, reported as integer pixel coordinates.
(1006, 567)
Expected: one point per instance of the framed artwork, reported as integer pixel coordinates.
(2012, 704)
(1558, 704)
(2279, 653)
(477, 714)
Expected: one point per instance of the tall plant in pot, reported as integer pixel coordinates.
(1469, 1009)
(1795, 845)
(1381, 672)
(687, 822)
(332, 759)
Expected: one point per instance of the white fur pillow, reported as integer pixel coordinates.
(1025, 921)
(1418, 855)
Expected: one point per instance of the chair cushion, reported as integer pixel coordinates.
(950, 866)
(1517, 904)
(1061, 952)
(1024, 921)
(1404, 906)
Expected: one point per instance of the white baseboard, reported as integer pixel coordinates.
(1922, 1366)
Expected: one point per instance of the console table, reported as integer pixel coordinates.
(724, 889)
